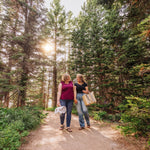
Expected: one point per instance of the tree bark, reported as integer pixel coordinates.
(54, 95)
(24, 75)
(24, 80)
(48, 90)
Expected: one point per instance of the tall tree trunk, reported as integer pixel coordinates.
(26, 51)
(48, 90)
(10, 60)
(23, 82)
(69, 51)
(54, 87)
(54, 99)
(42, 99)
(6, 97)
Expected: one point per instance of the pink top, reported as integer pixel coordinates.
(67, 91)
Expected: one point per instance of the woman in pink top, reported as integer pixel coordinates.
(66, 96)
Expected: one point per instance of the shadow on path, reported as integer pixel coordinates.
(49, 137)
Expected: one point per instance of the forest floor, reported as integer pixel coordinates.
(101, 136)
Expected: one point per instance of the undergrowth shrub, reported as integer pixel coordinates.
(136, 118)
(15, 123)
(50, 109)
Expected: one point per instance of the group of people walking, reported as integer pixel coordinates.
(69, 93)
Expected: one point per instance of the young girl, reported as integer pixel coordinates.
(66, 96)
(82, 88)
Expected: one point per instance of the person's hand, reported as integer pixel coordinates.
(58, 104)
(84, 91)
(75, 101)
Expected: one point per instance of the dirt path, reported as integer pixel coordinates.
(49, 137)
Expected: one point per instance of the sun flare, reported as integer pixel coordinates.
(47, 47)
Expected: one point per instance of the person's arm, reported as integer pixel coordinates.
(75, 95)
(86, 91)
(59, 94)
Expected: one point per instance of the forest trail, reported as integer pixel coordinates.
(49, 137)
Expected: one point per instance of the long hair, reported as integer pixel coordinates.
(65, 77)
(81, 77)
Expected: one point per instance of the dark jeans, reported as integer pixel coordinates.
(68, 104)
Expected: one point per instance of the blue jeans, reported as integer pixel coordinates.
(82, 110)
(68, 104)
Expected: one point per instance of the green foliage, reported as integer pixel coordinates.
(144, 27)
(22, 50)
(15, 124)
(149, 142)
(74, 111)
(100, 115)
(110, 52)
(137, 116)
(50, 109)
(108, 42)
(103, 115)
(96, 116)
(99, 112)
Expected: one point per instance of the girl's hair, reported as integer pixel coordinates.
(65, 77)
(81, 77)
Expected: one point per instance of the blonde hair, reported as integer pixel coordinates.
(65, 77)
(81, 77)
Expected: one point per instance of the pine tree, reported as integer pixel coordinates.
(56, 31)
(21, 37)
(107, 48)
